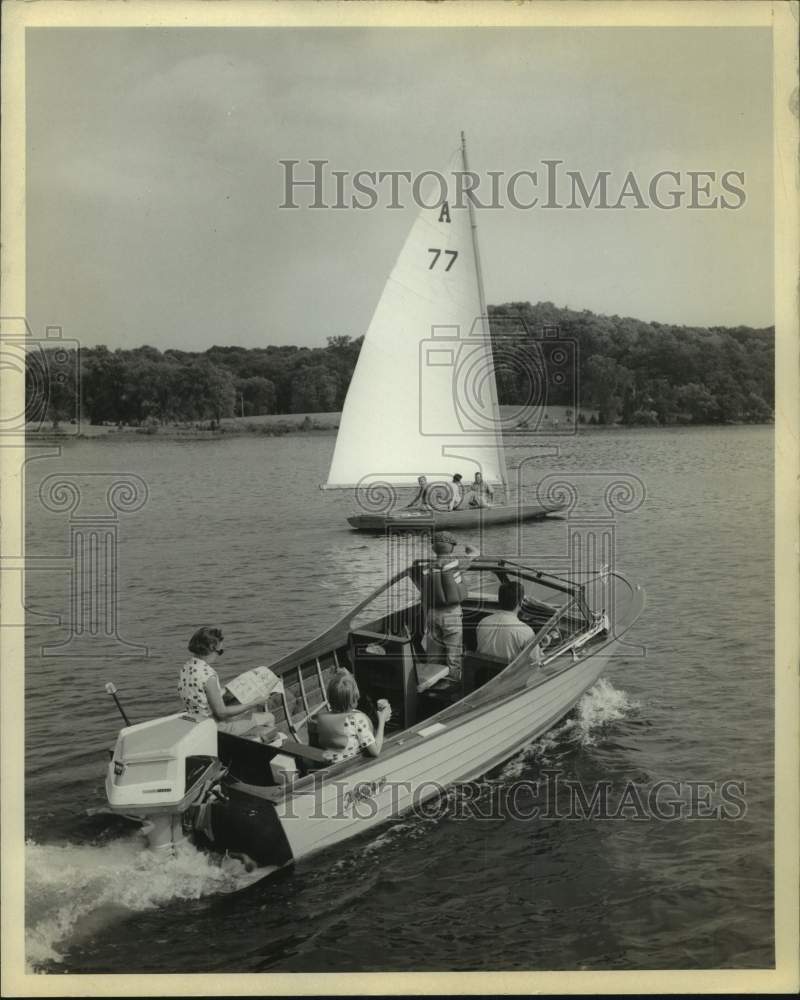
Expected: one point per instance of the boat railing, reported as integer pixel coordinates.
(305, 690)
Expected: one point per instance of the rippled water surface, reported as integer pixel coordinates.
(237, 533)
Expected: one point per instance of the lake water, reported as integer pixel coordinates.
(236, 533)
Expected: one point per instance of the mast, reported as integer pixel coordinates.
(474, 228)
(484, 312)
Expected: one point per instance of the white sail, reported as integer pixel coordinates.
(422, 400)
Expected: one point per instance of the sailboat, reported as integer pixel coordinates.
(423, 398)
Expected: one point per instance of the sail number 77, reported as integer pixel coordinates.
(452, 254)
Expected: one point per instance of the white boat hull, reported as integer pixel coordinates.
(457, 745)
(277, 820)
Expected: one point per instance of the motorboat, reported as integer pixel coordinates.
(280, 801)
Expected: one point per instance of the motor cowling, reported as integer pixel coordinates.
(158, 769)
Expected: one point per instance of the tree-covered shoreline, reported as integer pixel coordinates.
(620, 370)
(650, 373)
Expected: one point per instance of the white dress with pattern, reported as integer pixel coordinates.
(195, 673)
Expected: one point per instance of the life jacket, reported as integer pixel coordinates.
(441, 583)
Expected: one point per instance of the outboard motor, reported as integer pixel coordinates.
(158, 769)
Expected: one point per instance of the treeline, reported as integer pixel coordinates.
(634, 372)
(144, 386)
(623, 369)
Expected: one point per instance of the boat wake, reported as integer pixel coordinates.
(74, 890)
(601, 705)
(597, 708)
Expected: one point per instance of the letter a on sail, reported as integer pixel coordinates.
(422, 400)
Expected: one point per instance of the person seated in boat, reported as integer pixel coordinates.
(344, 731)
(422, 499)
(457, 492)
(480, 494)
(442, 590)
(502, 635)
(201, 693)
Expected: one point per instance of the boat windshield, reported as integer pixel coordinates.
(388, 611)
(483, 584)
(394, 610)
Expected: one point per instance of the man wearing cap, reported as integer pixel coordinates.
(442, 588)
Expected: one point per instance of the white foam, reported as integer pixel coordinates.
(601, 705)
(74, 888)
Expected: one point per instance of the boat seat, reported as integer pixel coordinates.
(248, 760)
(443, 693)
(447, 689)
(383, 666)
(478, 668)
(429, 674)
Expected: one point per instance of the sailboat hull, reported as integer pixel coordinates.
(468, 517)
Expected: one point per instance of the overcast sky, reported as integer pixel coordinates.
(154, 182)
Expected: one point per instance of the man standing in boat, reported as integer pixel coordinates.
(442, 590)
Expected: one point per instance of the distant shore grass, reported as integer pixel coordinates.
(268, 425)
(556, 419)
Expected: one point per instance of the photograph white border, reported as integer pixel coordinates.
(782, 18)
